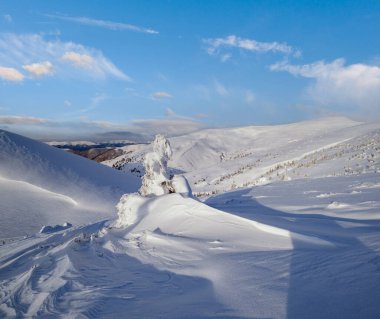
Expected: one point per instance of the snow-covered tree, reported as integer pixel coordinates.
(156, 178)
(156, 181)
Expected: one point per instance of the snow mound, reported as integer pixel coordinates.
(56, 228)
(176, 213)
(42, 185)
(156, 182)
(181, 186)
(128, 209)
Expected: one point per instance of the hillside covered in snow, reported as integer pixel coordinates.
(219, 160)
(41, 185)
(285, 224)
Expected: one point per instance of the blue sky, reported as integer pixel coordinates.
(76, 68)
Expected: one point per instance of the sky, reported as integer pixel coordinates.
(74, 69)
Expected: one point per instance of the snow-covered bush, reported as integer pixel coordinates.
(156, 182)
(180, 185)
(128, 209)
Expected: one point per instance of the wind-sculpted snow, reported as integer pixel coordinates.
(281, 245)
(173, 261)
(41, 185)
(180, 258)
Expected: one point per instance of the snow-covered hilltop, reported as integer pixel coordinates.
(219, 160)
(290, 226)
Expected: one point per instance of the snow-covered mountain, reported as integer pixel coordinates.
(290, 227)
(219, 160)
(40, 185)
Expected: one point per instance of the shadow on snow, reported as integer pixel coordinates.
(323, 282)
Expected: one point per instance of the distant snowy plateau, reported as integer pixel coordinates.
(284, 223)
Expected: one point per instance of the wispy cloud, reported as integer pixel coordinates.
(7, 18)
(169, 112)
(337, 84)
(80, 60)
(201, 116)
(161, 95)
(95, 102)
(28, 49)
(39, 69)
(221, 89)
(24, 120)
(249, 97)
(217, 46)
(10, 74)
(111, 25)
(170, 126)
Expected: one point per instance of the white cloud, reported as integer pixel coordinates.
(161, 95)
(221, 89)
(169, 112)
(201, 116)
(225, 57)
(39, 69)
(103, 23)
(215, 46)
(249, 97)
(337, 84)
(96, 100)
(171, 126)
(48, 129)
(10, 74)
(28, 120)
(67, 103)
(26, 49)
(80, 60)
(7, 18)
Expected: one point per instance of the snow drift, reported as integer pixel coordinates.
(42, 185)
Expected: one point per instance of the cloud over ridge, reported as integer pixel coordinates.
(336, 83)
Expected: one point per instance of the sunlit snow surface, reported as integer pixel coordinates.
(304, 248)
(41, 185)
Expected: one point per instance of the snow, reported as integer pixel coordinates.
(155, 182)
(295, 246)
(156, 178)
(41, 185)
(181, 186)
(51, 229)
(218, 160)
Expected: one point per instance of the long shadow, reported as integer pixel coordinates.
(101, 284)
(341, 281)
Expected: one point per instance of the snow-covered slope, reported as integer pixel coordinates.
(176, 259)
(218, 160)
(41, 185)
(300, 240)
(184, 259)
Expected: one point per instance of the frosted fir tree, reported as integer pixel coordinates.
(156, 180)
